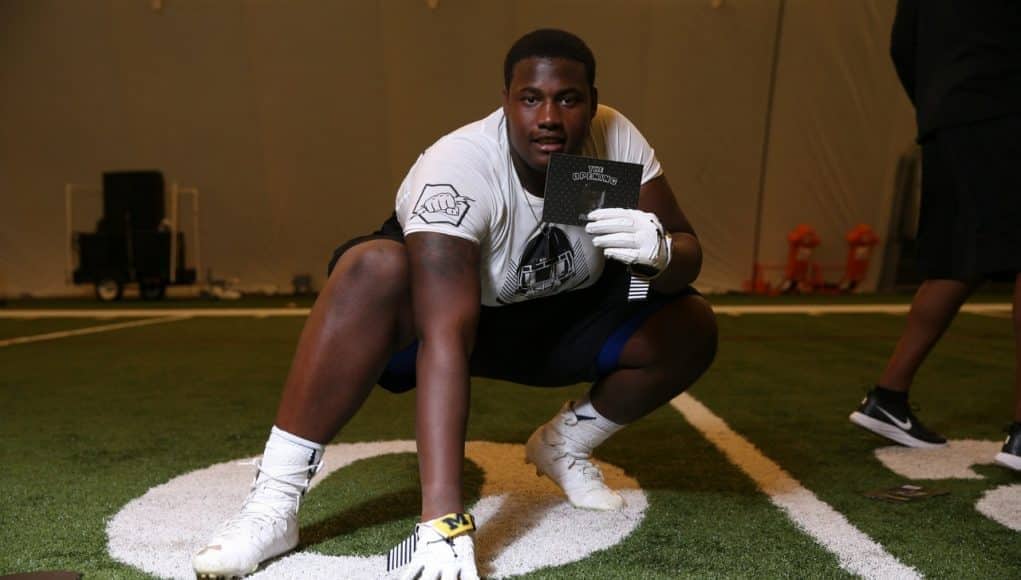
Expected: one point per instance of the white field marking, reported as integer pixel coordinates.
(990, 308)
(525, 523)
(856, 552)
(89, 330)
(1001, 505)
(951, 462)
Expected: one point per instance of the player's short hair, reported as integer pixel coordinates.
(550, 43)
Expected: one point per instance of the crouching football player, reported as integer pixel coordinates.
(467, 280)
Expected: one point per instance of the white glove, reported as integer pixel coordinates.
(438, 557)
(632, 236)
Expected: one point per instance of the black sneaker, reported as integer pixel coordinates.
(896, 422)
(1010, 455)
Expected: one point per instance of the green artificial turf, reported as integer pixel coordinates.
(816, 372)
(88, 423)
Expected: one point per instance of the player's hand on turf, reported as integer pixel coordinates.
(631, 236)
(439, 557)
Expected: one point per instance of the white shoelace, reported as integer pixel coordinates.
(581, 459)
(267, 503)
(588, 469)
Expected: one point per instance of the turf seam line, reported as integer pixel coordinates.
(995, 313)
(87, 330)
(816, 309)
(812, 309)
(856, 552)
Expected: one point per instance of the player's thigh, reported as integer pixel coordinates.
(373, 276)
(552, 341)
(682, 334)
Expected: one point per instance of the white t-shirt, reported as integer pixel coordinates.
(465, 185)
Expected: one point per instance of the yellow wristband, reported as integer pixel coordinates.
(453, 525)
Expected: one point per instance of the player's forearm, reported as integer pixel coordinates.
(445, 297)
(442, 416)
(685, 263)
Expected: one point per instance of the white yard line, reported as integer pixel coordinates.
(856, 552)
(89, 330)
(810, 309)
(152, 312)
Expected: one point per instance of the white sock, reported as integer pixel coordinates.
(586, 427)
(286, 451)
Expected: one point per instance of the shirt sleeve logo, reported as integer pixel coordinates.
(441, 204)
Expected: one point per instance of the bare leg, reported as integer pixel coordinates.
(361, 317)
(662, 359)
(1017, 348)
(932, 310)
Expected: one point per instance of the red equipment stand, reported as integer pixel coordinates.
(802, 274)
(860, 241)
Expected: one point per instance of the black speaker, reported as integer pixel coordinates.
(151, 250)
(101, 255)
(132, 201)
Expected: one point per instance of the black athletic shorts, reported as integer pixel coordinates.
(970, 221)
(555, 341)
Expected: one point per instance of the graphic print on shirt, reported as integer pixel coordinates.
(549, 264)
(440, 203)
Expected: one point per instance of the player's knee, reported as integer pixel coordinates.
(707, 343)
(680, 342)
(379, 268)
(694, 348)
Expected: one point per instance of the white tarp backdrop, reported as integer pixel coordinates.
(297, 119)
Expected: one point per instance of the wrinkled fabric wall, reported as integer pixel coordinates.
(840, 122)
(296, 120)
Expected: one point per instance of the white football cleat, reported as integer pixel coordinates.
(266, 527)
(569, 465)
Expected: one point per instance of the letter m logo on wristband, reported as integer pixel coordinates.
(452, 525)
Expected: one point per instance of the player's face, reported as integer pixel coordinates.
(549, 106)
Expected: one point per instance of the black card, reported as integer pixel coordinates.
(576, 185)
(905, 493)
